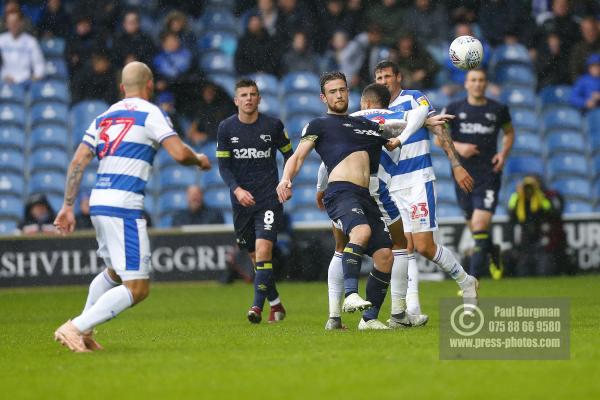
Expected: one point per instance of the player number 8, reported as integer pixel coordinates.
(269, 217)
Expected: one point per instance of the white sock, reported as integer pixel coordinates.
(274, 302)
(413, 305)
(335, 285)
(399, 281)
(100, 284)
(108, 306)
(448, 263)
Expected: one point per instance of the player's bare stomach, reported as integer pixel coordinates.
(354, 168)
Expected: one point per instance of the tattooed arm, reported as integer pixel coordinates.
(443, 139)
(65, 220)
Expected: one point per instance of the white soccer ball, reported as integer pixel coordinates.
(466, 52)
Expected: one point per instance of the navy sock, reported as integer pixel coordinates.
(351, 262)
(483, 247)
(262, 278)
(377, 285)
(272, 292)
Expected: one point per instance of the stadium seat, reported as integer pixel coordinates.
(267, 83)
(519, 166)
(527, 145)
(218, 20)
(445, 191)
(308, 173)
(303, 104)
(300, 82)
(12, 93)
(47, 182)
(89, 179)
(11, 207)
(165, 221)
(152, 183)
(53, 47)
(56, 68)
(308, 215)
(48, 159)
(50, 90)
(566, 141)
(515, 74)
(49, 112)
(353, 101)
(11, 160)
(578, 207)
(304, 194)
(437, 98)
(172, 201)
(574, 188)
(177, 177)
(218, 197)
(164, 159)
(296, 123)
(12, 183)
(149, 204)
(228, 216)
(211, 178)
(441, 166)
(562, 118)
(510, 54)
(225, 80)
(269, 105)
(566, 164)
(447, 210)
(215, 62)
(49, 135)
(210, 149)
(12, 115)
(552, 96)
(525, 119)
(8, 227)
(593, 123)
(517, 97)
(11, 137)
(225, 42)
(56, 200)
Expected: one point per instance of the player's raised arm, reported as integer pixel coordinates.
(292, 167)
(183, 154)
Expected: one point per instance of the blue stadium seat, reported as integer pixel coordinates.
(308, 215)
(269, 105)
(573, 188)
(210, 149)
(11, 160)
(12, 93)
(8, 227)
(515, 74)
(149, 204)
(11, 207)
(441, 166)
(228, 216)
(445, 191)
(308, 173)
(571, 165)
(267, 83)
(56, 68)
(296, 123)
(218, 197)
(164, 159)
(11, 137)
(81, 116)
(436, 150)
(211, 178)
(303, 104)
(56, 200)
(89, 179)
(225, 80)
(225, 42)
(47, 182)
(165, 221)
(301, 82)
(353, 101)
(50, 90)
(215, 62)
(53, 47)
(518, 166)
(566, 141)
(177, 177)
(551, 96)
(171, 201)
(527, 144)
(438, 99)
(593, 123)
(49, 135)
(48, 159)
(578, 207)
(303, 195)
(525, 119)
(447, 210)
(219, 20)
(12, 115)
(519, 97)
(152, 184)
(12, 183)
(510, 54)
(49, 112)
(562, 118)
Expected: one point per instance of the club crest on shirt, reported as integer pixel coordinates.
(235, 139)
(490, 116)
(358, 211)
(462, 115)
(265, 138)
(347, 125)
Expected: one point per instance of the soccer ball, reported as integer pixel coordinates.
(466, 52)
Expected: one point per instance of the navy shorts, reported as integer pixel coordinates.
(483, 197)
(350, 205)
(256, 222)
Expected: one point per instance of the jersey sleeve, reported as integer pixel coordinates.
(159, 125)
(311, 132)
(422, 100)
(504, 117)
(90, 137)
(283, 141)
(224, 159)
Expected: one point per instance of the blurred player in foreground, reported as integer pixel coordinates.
(125, 139)
(475, 134)
(247, 144)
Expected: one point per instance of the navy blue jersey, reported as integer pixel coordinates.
(478, 125)
(337, 136)
(246, 154)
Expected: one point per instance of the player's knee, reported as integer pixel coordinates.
(264, 250)
(360, 234)
(140, 293)
(383, 259)
(426, 249)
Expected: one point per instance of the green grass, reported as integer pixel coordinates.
(191, 340)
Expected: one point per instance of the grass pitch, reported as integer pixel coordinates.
(192, 340)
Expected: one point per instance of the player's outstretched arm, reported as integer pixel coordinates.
(292, 166)
(183, 154)
(65, 220)
(462, 177)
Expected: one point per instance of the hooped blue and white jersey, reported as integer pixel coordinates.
(125, 139)
(411, 165)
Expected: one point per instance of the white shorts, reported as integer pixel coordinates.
(124, 246)
(415, 205)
